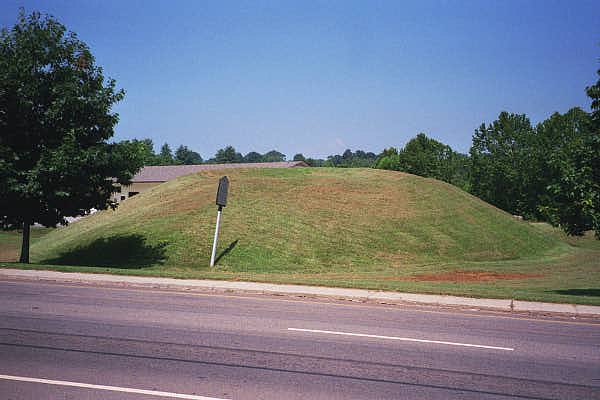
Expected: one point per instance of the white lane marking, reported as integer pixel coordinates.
(110, 388)
(401, 338)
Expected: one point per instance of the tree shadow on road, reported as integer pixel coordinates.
(121, 251)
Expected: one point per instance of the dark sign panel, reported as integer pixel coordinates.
(222, 191)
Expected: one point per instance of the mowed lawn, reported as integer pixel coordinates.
(358, 228)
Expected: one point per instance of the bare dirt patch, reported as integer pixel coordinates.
(469, 276)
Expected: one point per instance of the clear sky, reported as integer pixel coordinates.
(318, 77)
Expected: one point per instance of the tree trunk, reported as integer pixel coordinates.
(25, 244)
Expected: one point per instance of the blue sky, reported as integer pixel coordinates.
(319, 77)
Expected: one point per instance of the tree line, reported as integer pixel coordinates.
(227, 155)
(184, 156)
(548, 172)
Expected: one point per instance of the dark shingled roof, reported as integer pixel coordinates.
(163, 173)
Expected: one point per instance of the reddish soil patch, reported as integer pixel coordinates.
(469, 276)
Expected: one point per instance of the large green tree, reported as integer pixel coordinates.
(594, 93)
(427, 157)
(498, 156)
(568, 184)
(549, 173)
(55, 120)
(573, 198)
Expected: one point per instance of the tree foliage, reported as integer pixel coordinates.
(55, 120)
(349, 159)
(228, 155)
(253, 157)
(183, 155)
(299, 157)
(568, 154)
(165, 157)
(315, 162)
(593, 93)
(498, 157)
(549, 173)
(427, 157)
(146, 147)
(273, 156)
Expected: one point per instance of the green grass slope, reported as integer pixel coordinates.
(343, 227)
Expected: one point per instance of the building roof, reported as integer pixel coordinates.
(163, 173)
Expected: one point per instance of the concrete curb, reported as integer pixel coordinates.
(338, 293)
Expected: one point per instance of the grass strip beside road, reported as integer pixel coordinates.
(569, 277)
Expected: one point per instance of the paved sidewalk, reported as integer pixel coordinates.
(337, 293)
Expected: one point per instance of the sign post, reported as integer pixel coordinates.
(221, 202)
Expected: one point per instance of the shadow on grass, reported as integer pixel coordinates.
(227, 250)
(123, 251)
(580, 292)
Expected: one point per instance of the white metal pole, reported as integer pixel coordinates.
(214, 249)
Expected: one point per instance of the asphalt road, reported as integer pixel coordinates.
(58, 339)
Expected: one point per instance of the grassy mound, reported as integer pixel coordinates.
(336, 227)
(298, 220)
